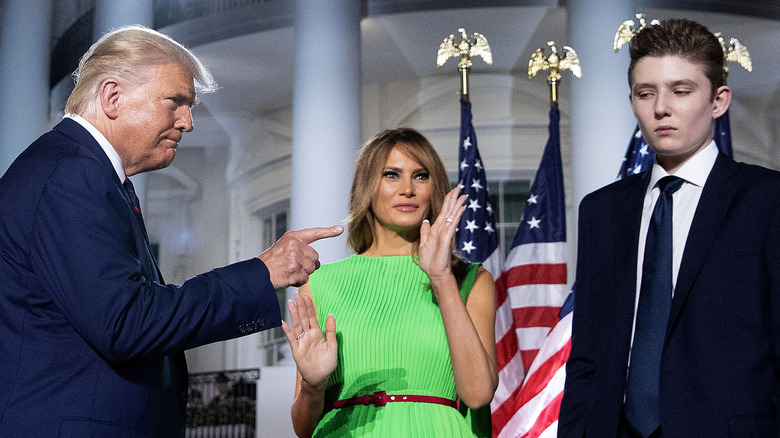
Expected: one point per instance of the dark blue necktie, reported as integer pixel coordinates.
(135, 203)
(655, 301)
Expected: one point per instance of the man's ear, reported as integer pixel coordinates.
(721, 102)
(109, 95)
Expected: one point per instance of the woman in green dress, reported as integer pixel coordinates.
(416, 322)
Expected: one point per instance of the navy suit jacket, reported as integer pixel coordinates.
(91, 340)
(720, 369)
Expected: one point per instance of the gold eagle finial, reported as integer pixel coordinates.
(555, 62)
(734, 52)
(476, 45)
(566, 60)
(626, 30)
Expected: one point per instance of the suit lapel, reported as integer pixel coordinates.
(139, 230)
(74, 130)
(142, 240)
(716, 197)
(143, 245)
(625, 232)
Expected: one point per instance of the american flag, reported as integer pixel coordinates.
(542, 391)
(639, 156)
(476, 236)
(533, 287)
(723, 134)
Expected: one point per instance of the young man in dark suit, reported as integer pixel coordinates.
(676, 329)
(92, 338)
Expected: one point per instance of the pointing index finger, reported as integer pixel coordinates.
(311, 235)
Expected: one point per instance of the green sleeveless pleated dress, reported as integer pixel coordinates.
(391, 338)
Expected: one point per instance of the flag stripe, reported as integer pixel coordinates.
(506, 349)
(527, 413)
(537, 316)
(536, 274)
(530, 354)
(558, 341)
(547, 418)
(531, 337)
(542, 252)
(552, 431)
(507, 376)
(505, 411)
(504, 322)
(535, 383)
(535, 295)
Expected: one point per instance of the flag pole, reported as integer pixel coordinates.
(464, 68)
(555, 62)
(476, 238)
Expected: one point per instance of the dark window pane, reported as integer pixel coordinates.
(268, 233)
(509, 236)
(281, 224)
(495, 193)
(515, 197)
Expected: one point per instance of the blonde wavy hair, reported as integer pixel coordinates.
(122, 54)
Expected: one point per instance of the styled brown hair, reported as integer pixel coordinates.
(368, 172)
(685, 38)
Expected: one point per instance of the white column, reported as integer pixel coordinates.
(110, 14)
(601, 119)
(25, 53)
(326, 117)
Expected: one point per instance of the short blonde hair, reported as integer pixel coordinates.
(122, 53)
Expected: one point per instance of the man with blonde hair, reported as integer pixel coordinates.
(93, 339)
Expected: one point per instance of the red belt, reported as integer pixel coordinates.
(381, 398)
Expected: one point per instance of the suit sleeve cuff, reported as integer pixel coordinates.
(252, 275)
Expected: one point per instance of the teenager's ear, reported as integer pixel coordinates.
(721, 102)
(109, 95)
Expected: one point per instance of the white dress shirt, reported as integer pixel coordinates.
(684, 202)
(103, 142)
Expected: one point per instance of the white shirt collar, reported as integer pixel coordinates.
(694, 171)
(103, 142)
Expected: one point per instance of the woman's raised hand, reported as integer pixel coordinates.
(314, 354)
(436, 239)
